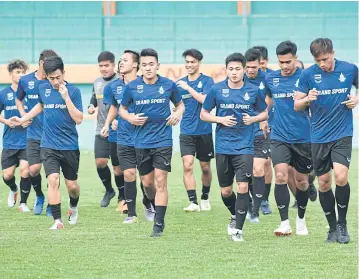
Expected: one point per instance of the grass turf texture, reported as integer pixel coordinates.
(193, 245)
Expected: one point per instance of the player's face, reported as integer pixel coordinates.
(56, 78)
(325, 61)
(192, 65)
(149, 66)
(126, 64)
(16, 74)
(107, 69)
(263, 64)
(235, 71)
(287, 63)
(252, 69)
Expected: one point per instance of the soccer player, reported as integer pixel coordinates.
(325, 89)
(27, 89)
(255, 76)
(196, 135)
(151, 95)
(106, 148)
(237, 105)
(62, 107)
(113, 93)
(290, 138)
(13, 154)
(264, 58)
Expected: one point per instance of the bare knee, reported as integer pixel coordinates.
(258, 170)
(325, 182)
(8, 174)
(206, 168)
(130, 175)
(53, 180)
(161, 182)
(281, 177)
(101, 163)
(226, 191)
(302, 182)
(117, 171)
(34, 170)
(188, 167)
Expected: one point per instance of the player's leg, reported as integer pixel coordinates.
(292, 185)
(8, 163)
(313, 193)
(268, 176)
(281, 157)
(25, 183)
(34, 158)
(205, 153)
(119, 179)
(341, 156)
(188, 150)
(258, 187)
(102, 154)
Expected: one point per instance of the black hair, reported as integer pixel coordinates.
(17, 64)
(236, 57)
(195, 53)
(149, 52)
(286, 47)
(263, 50)
(321, 46)
(46, 54)
(301, 63)
(135, 57)
(106, 56)
(252, 54)
(53, 64)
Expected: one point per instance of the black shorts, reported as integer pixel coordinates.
(201, 146)
(67, 160)
(230, 165)
(127, 157)
(12, 157)
(106, 149)
(325, 154)
(261, 147)
(297, 155)
(33, 152)
(151, 158)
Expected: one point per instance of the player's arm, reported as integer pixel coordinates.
(304, 95)
(93, 102)
(20, 95)
(3, 120)
(134, 119)
(199, 97)
(177, 113)
(261, 107)
(36, 110)
(111, 116)
(353, 100)
(73, 107)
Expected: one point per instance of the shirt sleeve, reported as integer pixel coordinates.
(175, 95)
(260, 104)
(93, 100)
(355, 80)
(127, 97)
(210, 101)
(38, 88)
(20, 92)
(266, 89)
(1, 104)
(207, 86)
(303, 84)
(107, 95)
(77, 100)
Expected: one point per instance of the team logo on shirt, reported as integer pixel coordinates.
(31, 84)
(318, 78)
(261, 86)
(10, 96)
(161, 90)
(342, 78)
(225, 92)
(139, 89)
(276, 81)
(119, 89)
(47, 92)
(246, 96)
(200, 84)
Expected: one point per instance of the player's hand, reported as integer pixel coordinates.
(91, 109)
(114, 125)
(228, 121)
(138, 119)
(104, 131)
(183, 85)
(27, 123)
(15, 121)
(264, 127)
(173, 119)
(351, 103)
(312, 95)
(247, 119)
(63, 91)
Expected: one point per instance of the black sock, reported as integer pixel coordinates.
(25, 187)
(258, 192)
(130, 195)
(230, 203)
(205, 192)
(146, 202)
(36, 184)
(192, 196)
(74, 201)
(241, 209)
(282, 198)
(327, 201)
(11, 183)
(105, 176)
(250, 189)
(267, 191)
(302, 201)
(56, 211)
(160, 214)
(311, 178)
(342, 195)
(120, 183)
(151, 194)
